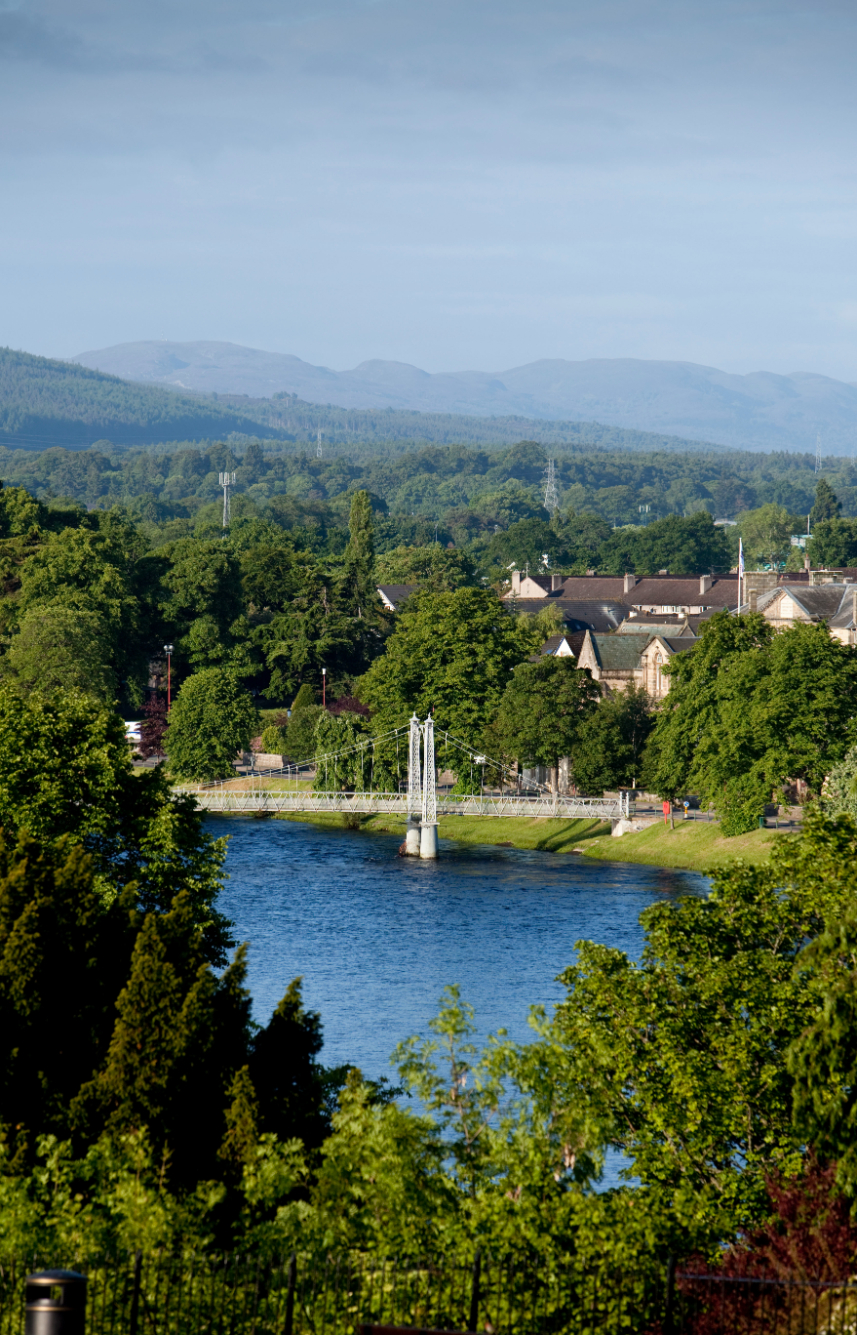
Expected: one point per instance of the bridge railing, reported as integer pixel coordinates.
(259, 799)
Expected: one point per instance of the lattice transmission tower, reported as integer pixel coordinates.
(227, 482)
(318, 446)
(551, 493)
(818, 453)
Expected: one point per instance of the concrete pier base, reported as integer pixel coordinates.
(428, 841)
(412, 838)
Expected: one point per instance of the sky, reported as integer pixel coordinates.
(459, 184)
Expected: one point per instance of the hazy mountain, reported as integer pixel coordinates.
(757, 411)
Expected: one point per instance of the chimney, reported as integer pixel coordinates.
(705, 582)
(630, 581)
(557, 582)
(516, 581)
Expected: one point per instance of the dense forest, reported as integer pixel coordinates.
(463, 492)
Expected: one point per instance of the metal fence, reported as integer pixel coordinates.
(761, 1305)
(166, 1294)
(303, 1295)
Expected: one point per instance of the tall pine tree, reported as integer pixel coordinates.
(358, 590)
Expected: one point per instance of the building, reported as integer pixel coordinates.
(650, 595)
(393, 595)
(790, 604)
(619, 661)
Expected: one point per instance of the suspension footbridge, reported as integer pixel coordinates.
(317, 786)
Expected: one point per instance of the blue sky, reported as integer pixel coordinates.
(455, 184)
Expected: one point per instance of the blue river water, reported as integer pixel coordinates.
(376, 937)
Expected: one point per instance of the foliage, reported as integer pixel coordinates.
(212, 719)
(543, 710)
(839, 790)
(450, 654)
(749, 709)
(273, 740)
(833, 542)
(683, 546)
(358, 591)
(63, 647)
(153, 726)
(766, 533)
(434, 567)
(300, 734)
(343, 753)
(612, 739)
(826, 505)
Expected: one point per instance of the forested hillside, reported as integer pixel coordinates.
(45, 403)
(467, 492)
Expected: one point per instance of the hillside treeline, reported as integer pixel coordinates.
(465, 492)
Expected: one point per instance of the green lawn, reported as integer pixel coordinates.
(692, 845)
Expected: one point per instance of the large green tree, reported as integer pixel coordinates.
(612, 740)
(58, 646)
(543, 710)
(749, 709)
(213, 718)
(826, 505)
(67, 771)
(450, 655)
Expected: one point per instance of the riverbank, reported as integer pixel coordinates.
(692, 846)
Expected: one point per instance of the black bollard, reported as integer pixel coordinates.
(55, 1303)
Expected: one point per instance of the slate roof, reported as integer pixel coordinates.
(397, 593)
(597, 616)
(656, 625)
(820, 603)
(650, 590)
(574, 639)
(619, 652)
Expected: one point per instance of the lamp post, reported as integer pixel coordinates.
(168, 650)
(324, 688)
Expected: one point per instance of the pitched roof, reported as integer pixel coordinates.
(573, 638)
(616, 653)
(820, 602)
(656, 625)
(596, 615)
(394, 594)
(654, 590)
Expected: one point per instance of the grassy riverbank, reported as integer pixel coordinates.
(692, 845)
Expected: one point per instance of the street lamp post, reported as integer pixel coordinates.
(168, 650)
(324, 688)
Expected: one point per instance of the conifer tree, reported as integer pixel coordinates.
(826, 504)
(290, 1083)
(357, 575)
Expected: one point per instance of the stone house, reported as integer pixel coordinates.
(618, 661)
(653, 595)
(788, 604)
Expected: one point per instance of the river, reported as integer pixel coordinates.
(377, 937)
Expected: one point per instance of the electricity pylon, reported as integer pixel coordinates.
(551, 493)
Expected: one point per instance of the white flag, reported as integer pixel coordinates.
(740, 559)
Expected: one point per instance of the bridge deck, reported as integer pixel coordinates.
(261, 800)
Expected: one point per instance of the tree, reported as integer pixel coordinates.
(450, 654)
(67, 771)
(58, 646)
(749, 709)
(153, 726)
(300, 734)
(433, 567)
(833, 542)
(358, 588)
(612, 738)
(201, 599)
(543, 709)
(688, 1051)
(766, 533)
(826, 505)
(343, 752)
(213, 718)
(683, 545)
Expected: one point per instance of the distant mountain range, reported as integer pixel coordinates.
(760, 411)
